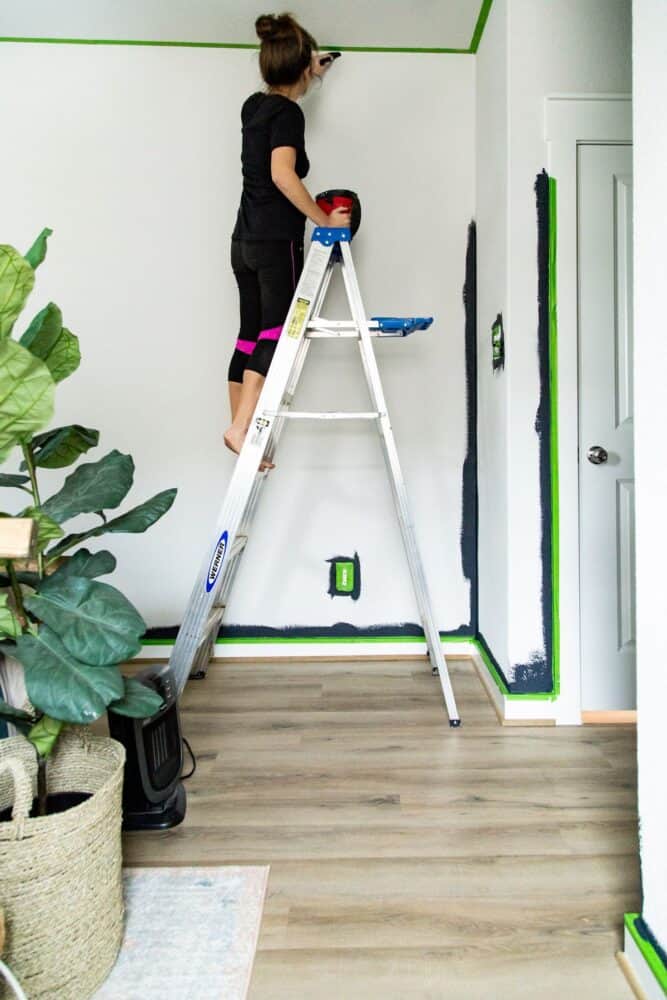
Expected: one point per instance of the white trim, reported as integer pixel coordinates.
(642, 970)
(315, 650)
(531, 710)
(568, 121)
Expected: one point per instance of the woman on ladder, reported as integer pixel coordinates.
(267, 242)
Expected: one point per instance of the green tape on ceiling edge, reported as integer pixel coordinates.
(474, 44)
(221, 45)
(481, 24)
(553, 396)
(650, 955)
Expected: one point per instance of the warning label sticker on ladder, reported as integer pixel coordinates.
(298, 320)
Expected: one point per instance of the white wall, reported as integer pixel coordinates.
(575, 48)
(131, 155)
(531, 49)
(650, 213)
(492, 235)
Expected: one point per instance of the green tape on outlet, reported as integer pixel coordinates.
(345, 576)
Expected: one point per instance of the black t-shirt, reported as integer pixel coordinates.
(269, 121)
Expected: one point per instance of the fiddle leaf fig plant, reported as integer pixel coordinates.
(69, 630)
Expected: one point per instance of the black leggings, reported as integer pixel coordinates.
(267, 272)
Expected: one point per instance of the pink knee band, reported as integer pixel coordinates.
(245, 346)
(272, 334)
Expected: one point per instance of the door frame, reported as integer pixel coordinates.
(571, 120)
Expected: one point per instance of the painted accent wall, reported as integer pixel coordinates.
(531, 49)
(131, 156)
(650, 213)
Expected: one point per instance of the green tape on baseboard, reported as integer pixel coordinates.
(650, 955)
(333, 640)
(270, 640)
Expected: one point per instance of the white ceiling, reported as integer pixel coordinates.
(445, 24)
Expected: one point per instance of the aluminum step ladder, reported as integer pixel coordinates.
(201, 623)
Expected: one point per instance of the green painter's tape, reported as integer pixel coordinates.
(270, 639)
(220, 45)
(130, 41)
(333, 640)
(481, 24)
(488, 663)
(474, 45)
(652, 958)
(553, 394)
(345, 577)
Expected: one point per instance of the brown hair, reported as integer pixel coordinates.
(286, 49)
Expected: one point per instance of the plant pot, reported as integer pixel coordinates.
(60, 875)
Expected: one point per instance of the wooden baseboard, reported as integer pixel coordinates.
(630, 976)
(610, 718)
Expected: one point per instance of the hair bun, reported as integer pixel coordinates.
(271, 28)
(265, 26)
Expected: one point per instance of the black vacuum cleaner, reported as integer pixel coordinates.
(153, 792)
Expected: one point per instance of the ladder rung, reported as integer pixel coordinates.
(310, 415)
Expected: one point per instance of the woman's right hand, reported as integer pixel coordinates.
(340, 218)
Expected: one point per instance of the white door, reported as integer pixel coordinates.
(606, 466)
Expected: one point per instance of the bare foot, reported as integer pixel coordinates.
(234, 439)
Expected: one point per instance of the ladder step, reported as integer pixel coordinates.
(310, 415)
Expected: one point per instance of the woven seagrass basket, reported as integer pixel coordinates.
(60, 875)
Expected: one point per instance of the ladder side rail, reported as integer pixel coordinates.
(203, 653)
(399, 490)
(207, 583)
(297, 367)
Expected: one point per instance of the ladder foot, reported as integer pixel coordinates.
(455, 723)
(198, 675)
(435, 672)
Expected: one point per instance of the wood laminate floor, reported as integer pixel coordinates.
(409, 861)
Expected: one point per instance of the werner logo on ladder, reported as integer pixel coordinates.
(304, 323)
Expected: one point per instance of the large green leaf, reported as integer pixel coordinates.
(60, 685)
(54, 344)
(26, 395)
(92, 487)
(37, 251)
(9, 479)
(140, 702)
(95, 622)
(137, 520)
(65, 356)
(88, 564)
(141, 518)
(44, 735)
(62, 446)
(10, 627)
(16, 281)
(43, 332)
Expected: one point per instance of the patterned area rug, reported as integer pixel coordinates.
(190, 933)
